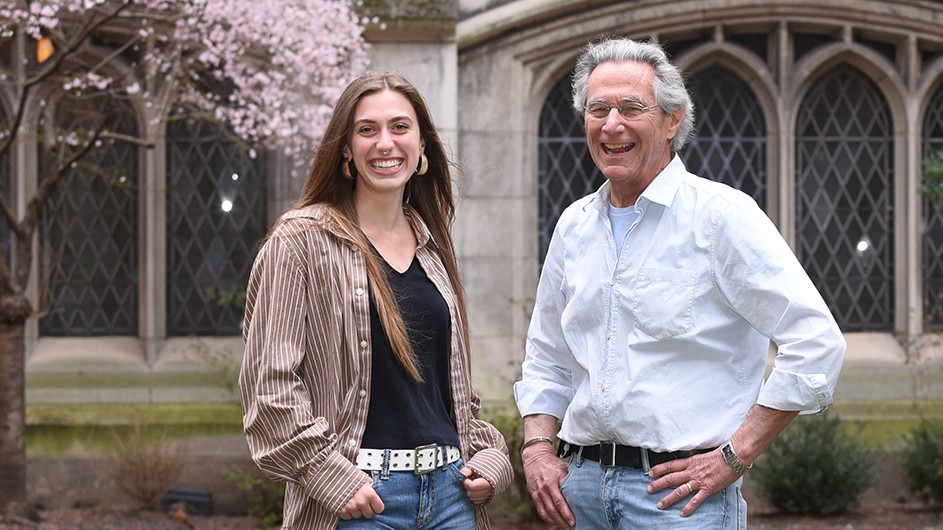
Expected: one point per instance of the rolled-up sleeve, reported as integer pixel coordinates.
(764, 282)
(546, 385)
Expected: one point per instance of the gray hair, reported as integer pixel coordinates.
(670, 92)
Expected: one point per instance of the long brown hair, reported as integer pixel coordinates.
(430, 195)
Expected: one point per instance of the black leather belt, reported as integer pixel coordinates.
(611, 454)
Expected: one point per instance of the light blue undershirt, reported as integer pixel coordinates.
(621, 219)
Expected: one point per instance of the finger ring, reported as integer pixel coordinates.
(690, 489)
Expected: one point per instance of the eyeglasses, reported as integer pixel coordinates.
(630, 111)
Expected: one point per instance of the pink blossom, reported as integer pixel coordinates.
(282, 63)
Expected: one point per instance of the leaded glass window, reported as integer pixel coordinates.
(565, 169)
(729, 143)
(844, 198)
(90, 227)
(933, 222)
(215, 221)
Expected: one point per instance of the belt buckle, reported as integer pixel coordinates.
(607, 454)
(435, 459)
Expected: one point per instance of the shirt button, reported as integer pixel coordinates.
(363, 393)
(363, 344)
(612, 281)
(608, 335)
(351, 442)
(359, 291)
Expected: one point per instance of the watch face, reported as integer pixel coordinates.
(731, 458)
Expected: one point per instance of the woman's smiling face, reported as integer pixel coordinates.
(385, 143)
(630, 150)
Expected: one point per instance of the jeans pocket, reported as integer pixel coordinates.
(567, 477)
(455, 469)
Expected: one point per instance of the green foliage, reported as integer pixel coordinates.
(226, 299)
(265, 499)
(923, 460)
(515, 501)
(815, 467)
(933, 177)
(220, 361)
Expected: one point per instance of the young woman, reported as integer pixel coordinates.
(356, 379)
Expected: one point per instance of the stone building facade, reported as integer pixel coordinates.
(823, 111)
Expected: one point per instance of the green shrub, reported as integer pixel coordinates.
(815, 467)
(515, 501)
(923, 460)
(265, 499)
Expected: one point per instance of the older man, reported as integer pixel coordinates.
(656, 306)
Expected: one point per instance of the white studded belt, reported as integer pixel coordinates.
(420, 460)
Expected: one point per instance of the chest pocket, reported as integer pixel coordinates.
(663, 302)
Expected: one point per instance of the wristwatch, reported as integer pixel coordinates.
(730, 456)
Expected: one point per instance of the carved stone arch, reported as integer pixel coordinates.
(873, 65)
(750, 69)
(756, 77)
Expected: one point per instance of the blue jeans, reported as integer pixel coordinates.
(616, 498)
(436, 500)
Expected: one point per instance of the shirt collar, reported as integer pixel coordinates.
(661, 190)
(317, 212)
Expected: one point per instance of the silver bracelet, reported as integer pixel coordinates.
(531, 441)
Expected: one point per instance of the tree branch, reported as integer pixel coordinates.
(38, 203)
(128, 138)
(71, 48)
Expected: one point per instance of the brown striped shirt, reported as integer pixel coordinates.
(305, 378)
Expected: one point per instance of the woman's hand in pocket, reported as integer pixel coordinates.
(364, 504)
(479, 490)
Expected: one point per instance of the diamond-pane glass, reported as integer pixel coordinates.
(729, 143)
(90, 226)
(565, 170)
(933, 222)
(215, 221)
(844, 198)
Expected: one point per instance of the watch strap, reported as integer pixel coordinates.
(730, 456)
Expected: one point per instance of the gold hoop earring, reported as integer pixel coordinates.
(423, 165)
(345, 170)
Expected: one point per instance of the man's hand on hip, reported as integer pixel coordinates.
(544, 473)
(703, 475)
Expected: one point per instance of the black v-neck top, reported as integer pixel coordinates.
(405, 414)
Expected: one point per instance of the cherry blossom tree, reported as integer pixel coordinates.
(269, 71)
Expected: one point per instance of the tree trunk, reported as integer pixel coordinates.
(12, 419)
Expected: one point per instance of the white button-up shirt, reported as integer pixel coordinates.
(665, 345)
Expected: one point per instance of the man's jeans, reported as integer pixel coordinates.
(436, 500)
(616, 498)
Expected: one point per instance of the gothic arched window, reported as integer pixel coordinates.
(90, 226)
(933, 221)
(729, 143)
(845, 198)
(565, 169)
(215, 221)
